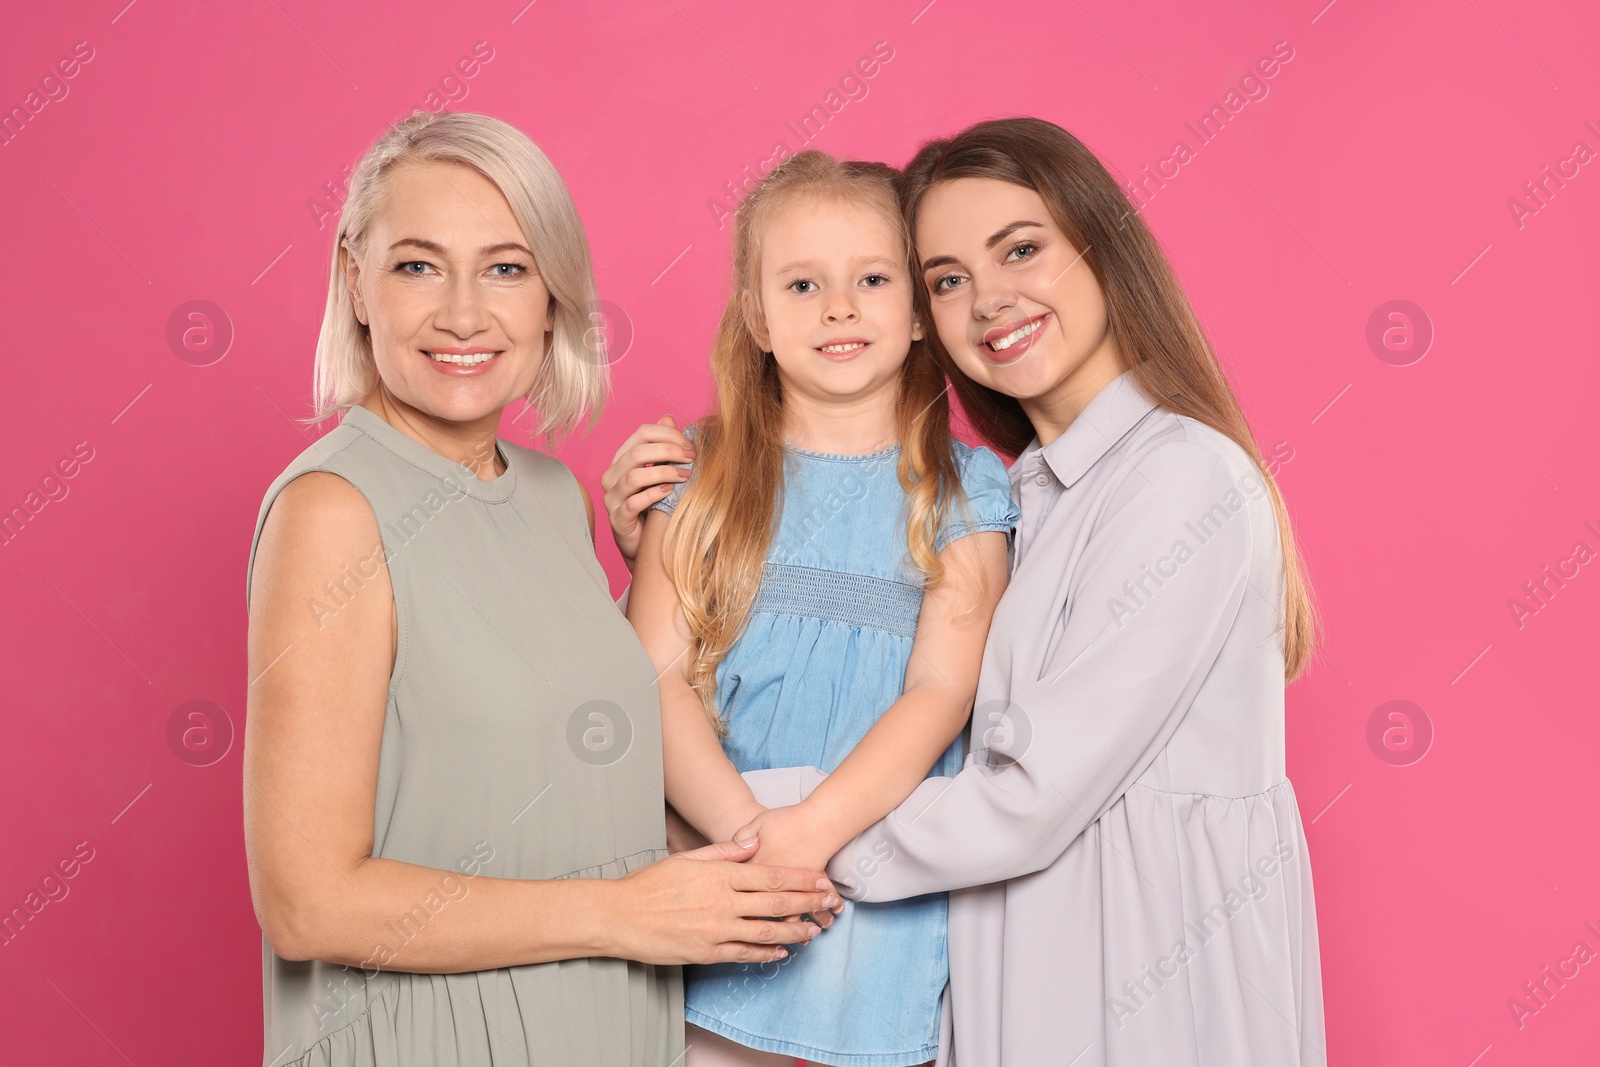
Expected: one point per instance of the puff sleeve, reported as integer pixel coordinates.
(988, 504)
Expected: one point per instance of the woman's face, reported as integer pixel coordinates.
(448, 286)
(1014, 304)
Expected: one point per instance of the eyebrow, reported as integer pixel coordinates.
(438, 249)
(994, 238)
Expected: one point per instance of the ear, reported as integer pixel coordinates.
(352, 281)
(755, 321)
(916, 328)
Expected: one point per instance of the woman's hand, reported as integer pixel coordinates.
(640, 474)
(707, 906)
(683, 837)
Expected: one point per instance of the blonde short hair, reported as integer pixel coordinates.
(574, 377)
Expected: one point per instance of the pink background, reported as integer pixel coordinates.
(184, 163)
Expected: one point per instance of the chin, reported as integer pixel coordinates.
(1033, 375)
(459, 408)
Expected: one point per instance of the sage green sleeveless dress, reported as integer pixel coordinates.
(522, 739)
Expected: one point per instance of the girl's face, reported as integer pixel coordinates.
(450, 292)
(1014, 304)
(835, 300)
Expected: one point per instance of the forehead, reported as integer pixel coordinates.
(827, 228)
(963, 213)
(448, 203)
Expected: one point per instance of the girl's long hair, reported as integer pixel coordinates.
(1148, 315)
(719, 533)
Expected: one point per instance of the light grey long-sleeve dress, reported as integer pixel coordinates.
(1130, 880)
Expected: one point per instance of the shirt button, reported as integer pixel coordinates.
(1041, 479)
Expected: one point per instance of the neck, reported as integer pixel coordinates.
(1052, 411)
(859, 424)
(471, 444)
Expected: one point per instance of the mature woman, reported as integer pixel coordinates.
(453, 802)
(1129, 877)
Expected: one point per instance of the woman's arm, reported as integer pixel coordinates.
(908, 739)
(312, 737)
(1116, 687)
(701, 782)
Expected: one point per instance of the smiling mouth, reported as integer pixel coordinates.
(995, 341)
(843, 349)
(462, 359)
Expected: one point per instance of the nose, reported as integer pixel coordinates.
(462, 310)
(992, 296)
(841, 308)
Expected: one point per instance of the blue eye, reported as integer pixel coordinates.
(938, 283)
(802, 281)
(1018, 248)
(516, 268)
(405, 268)
(882, 280)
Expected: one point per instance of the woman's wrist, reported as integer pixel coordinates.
(601, 915)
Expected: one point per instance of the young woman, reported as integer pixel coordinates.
(819, 596)
(1128, 866)
(453, 796)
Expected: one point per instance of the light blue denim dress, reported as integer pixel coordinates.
(824, 655)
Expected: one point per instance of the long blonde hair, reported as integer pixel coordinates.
(1147, 313)
(574, 375)
(717, 540)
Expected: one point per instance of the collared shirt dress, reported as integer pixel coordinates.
(1128, 871)
(823, 656)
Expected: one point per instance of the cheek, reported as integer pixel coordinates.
(784, 331)
(394, 309)
(523, 314)
(971, 364)
(950, 322)
(1079, 297)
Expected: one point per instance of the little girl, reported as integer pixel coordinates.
(818, 594)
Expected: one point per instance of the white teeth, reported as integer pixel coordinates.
(465, 361)
(841, 349)
(1014, 336)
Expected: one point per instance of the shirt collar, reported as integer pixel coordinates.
(1114, 411)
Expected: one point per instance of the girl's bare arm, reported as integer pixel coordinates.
(701, 782)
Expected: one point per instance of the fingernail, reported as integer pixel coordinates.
(823, 883)
(750, 843)
(782, 952)
(830, 901)
(812, 931)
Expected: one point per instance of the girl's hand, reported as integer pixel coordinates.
(789, 837)
(640, 474)
(708, 906)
